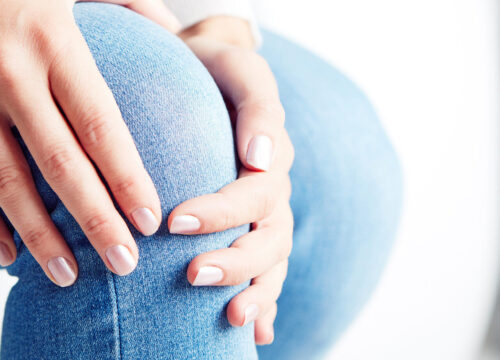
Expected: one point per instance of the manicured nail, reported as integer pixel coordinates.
(184, 224)
(208, 275)
(260, 152)
(61, 271)
(251, 313)
(121, 259)
(5, 255)
(145, 221)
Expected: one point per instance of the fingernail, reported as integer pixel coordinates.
(61, 271)
(251, 313)
(145, 221)
(5, 255)
(208, 275)
(121, 259)
(260, 151)
(184, 224)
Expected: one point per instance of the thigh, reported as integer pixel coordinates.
(181, 127)
(346, 200)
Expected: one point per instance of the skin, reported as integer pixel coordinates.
(31, 40)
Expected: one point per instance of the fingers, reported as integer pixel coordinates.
(257, 302)
(155, 10)
(258, 130)
(7, 246)
(248, 199)
(264, 329)
(246, 79)
(244, 259)
(72, 176)
(92, 111)
(21, 203)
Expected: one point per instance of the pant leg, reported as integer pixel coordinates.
(346, 201)
(180, 125)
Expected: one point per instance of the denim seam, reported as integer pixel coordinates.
(116, 315)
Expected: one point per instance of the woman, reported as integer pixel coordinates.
(146, 131)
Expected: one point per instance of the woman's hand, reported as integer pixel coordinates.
(259, 196)
(52, 91)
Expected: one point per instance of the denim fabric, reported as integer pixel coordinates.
(345, 200)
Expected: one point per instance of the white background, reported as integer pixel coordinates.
(430, 68)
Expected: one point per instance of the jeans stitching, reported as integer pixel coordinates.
(116, 315)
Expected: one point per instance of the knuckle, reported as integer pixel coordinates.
(265, 201)
(8, 72)
(243, 271)
(55, 48)
(279, 113)
(95, 129)
(271, 289)
(267, 108)
(60, 164)
(227, 221)
(255, 59)
(96, 225)
(276, 108)
(11, 73)
(228, 59)
(11, 177)
(124, 187)
(227, 218)
(237, 57)
(268, 204)
(35, 238)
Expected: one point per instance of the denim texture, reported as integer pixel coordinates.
(346, 199)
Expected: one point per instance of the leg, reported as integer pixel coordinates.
(346, 201)
(181, 128)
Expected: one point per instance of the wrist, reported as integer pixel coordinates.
(230, 30)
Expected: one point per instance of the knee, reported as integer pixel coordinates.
(169, 101)
(343, 157)
(348, 165)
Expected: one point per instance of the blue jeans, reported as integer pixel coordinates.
(346, 201)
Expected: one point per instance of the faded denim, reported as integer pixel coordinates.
(346, 200)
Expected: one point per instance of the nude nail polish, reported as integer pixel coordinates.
(251, 313)
(184, 224)
(208, 275)
(260, 152)
(61, 271)
(145, 220)
(121, 259)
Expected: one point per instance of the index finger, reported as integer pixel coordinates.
(95, 117)
(250, 84)
(246, 79)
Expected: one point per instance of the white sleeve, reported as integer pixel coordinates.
(189, 12)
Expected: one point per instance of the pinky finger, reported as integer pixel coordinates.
(7, 247)
(264, 330)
